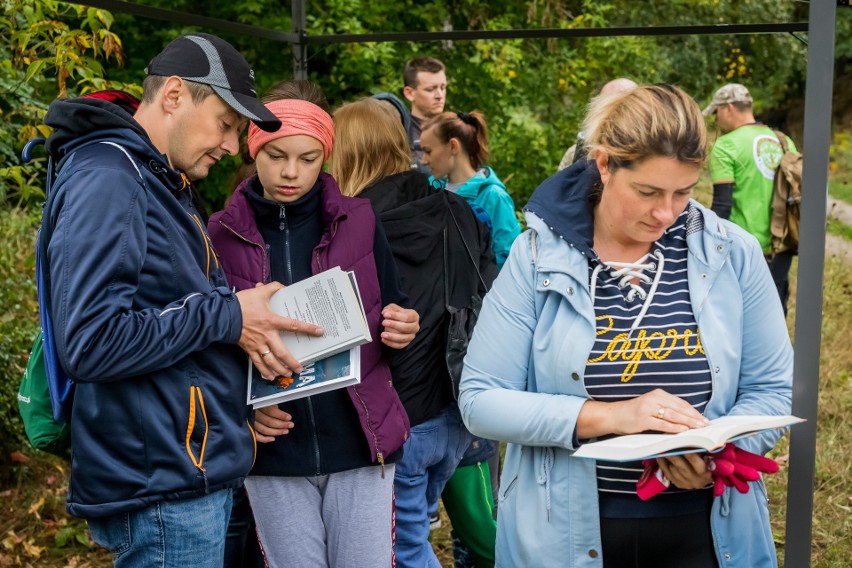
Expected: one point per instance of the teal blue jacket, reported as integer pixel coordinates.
(490, 194)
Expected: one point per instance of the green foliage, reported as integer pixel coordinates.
(840, 166)
(18, 321)
(532, 92)
(48, 50)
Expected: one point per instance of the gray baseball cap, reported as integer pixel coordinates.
(205, 58)
(730, 93)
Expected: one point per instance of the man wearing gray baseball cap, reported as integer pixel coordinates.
(141, 313)
(742, 167)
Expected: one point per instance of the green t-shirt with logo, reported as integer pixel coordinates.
(748, 157)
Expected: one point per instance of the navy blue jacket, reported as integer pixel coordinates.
(143, 319)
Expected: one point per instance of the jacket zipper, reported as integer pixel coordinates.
(379, 455)
(314, 437)
(282, 226)
(267, 278)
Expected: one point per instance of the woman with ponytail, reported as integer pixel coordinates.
(444, 257)
(455, 147)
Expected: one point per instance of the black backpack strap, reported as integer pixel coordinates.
(464, 241)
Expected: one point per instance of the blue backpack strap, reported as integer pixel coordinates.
(482, 215)
(60, 385)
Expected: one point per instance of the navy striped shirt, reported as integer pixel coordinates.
(647, 338)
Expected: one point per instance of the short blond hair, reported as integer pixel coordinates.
(370, 144)
(650, 120)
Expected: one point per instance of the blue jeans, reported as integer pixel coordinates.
(242, 549)
(430, 457)
(168, 534)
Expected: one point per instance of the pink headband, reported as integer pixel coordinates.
(297, 117)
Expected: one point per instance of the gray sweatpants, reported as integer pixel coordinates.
(339, 520)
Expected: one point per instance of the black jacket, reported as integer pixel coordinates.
(415, 216)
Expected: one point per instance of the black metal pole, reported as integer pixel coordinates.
(300, 46)
(559, 33)
(818, 92)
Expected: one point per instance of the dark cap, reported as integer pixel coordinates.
(207, 59)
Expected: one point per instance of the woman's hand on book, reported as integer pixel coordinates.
(656, 410)
(688, 471)
(270, 421)
(400, 326)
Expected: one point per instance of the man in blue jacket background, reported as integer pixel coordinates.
(144, 319)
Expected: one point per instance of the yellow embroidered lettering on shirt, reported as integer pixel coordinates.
(622, 347)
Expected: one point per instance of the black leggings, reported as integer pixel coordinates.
(659, 542)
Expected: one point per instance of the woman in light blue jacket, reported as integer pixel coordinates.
(627, 307)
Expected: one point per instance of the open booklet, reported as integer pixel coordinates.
(340, 370)
(330, 299)
(708, 439)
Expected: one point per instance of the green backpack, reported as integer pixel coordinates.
(34, 402)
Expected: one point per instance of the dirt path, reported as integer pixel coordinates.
(840, 210)
(836, 245)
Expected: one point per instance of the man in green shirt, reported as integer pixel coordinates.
(742, 167)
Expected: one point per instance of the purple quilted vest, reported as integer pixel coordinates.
(347, 241)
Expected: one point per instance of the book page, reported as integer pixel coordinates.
(709, 438)
(722, 430)
(327, 299)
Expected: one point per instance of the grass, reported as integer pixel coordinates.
(836, 227)
(832, 522)
(35, 530)
(840, 186)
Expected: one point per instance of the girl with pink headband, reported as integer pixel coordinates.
(321, 488)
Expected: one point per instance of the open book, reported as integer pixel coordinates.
(710, 438)
(329, 299)
(340, 370)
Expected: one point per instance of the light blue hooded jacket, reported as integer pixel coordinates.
(523, 377)
(490, 194)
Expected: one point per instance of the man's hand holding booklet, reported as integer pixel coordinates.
(708, 439)
(329, 299)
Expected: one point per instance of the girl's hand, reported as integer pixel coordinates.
(400, 326)
(688, 471)
(270, 421)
